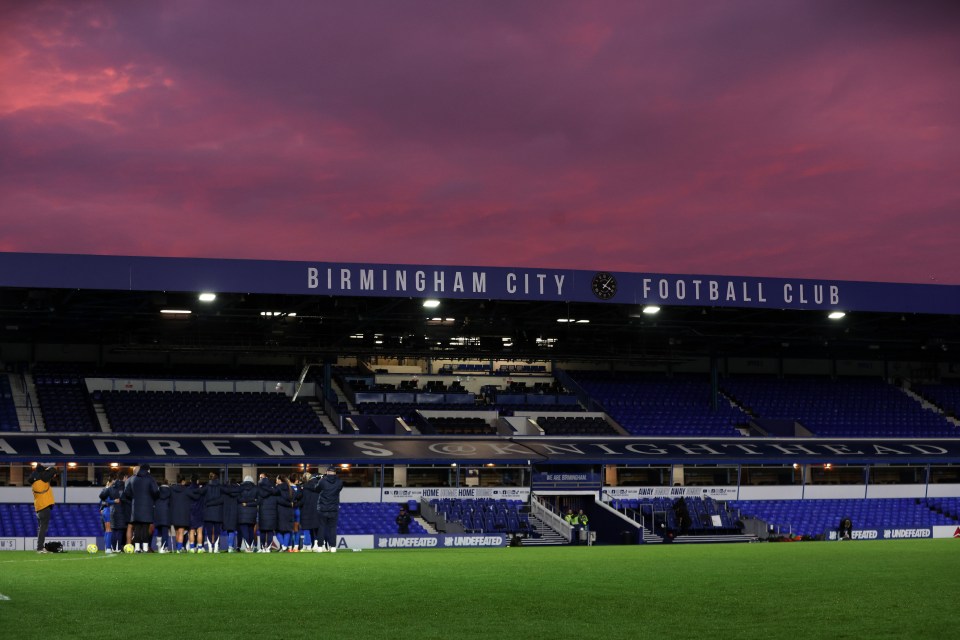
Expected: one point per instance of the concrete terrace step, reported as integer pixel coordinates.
(651, 538)
(714, 538)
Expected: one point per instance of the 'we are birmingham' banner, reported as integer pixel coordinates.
(140, 273)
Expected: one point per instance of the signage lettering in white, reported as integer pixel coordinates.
(218, 447)
(106, 447)
(884, 450)
(841, 450)
(697, 449)
(166, 448)
(794, 449)
(279, 448)
(373, 449)
(64, 446)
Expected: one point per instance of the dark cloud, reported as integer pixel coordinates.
(773, 138)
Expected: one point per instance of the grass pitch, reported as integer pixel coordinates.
(896, 589)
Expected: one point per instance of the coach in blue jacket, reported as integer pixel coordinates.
(328, 506)
(142, 491)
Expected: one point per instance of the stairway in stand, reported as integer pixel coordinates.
(548, 537)
(651, 538)
(429, 528)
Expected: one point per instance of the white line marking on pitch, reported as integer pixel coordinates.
(106, 557)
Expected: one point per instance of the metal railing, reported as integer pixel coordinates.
(549, 517)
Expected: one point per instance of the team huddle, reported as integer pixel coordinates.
(281, 513)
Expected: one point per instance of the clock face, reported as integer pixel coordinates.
(604, 285)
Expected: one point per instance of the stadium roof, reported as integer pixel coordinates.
(261, 306)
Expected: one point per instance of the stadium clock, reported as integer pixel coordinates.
(604, 285)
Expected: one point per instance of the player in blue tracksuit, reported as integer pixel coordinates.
(212, 498)
(182, 497)
(286, 506)
(162, 521)
(142, 491)
(248, 502)
(196, 517)
(230, 491)
(119, 513)
(296, 540)
(106, 505)
(267, 515)
(309, 518)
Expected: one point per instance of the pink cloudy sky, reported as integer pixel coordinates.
(750, 137)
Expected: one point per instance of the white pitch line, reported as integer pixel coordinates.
(3, 597)
(104, 557)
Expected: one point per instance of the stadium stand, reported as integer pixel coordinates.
(405, 410)
(946, 396)
(70, 520)
(466, 368)
(207, 412)
(455, 425)
(815, 518)
(8, 410)
(358, 518)
(859, 407)
(65, 404)
(521, 369)
(690, 516)
(575, 426)
(485, 515)
(656, 405)
(20, 520)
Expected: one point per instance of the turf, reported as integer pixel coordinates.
(896, 589)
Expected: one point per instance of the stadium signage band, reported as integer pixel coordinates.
(471, 493)
(442, 541)
(566, 480)
(887, 534)
(140, 273)
(717, 493)
(433, 450)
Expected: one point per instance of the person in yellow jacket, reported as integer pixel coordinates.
(571, 519)
(582, 523)
(42, 500)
